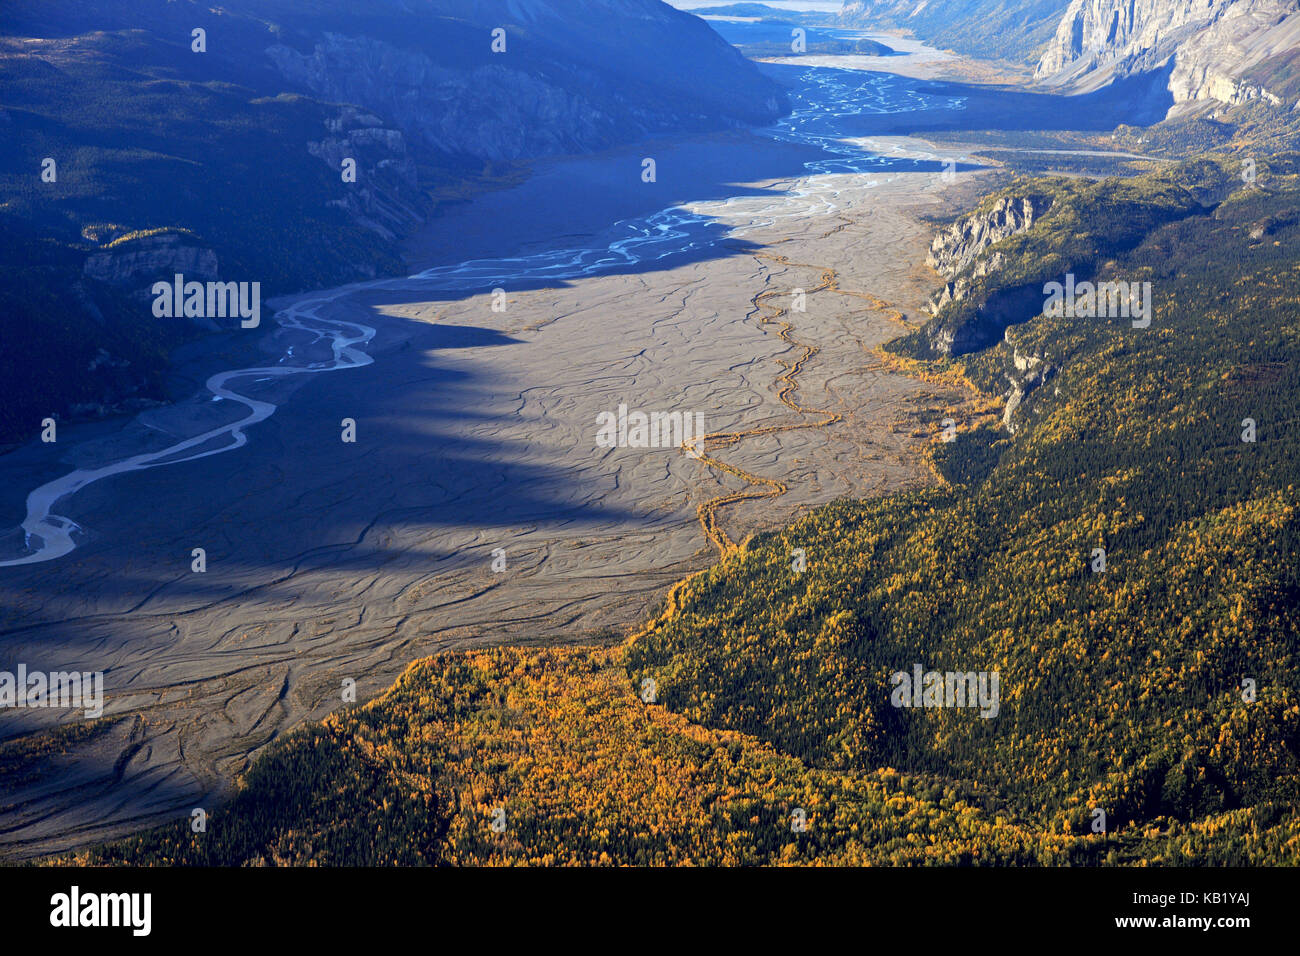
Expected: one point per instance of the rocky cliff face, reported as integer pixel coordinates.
(512, 79)
(1026, 372)
(958, 252)
(958, 246)
(1223, 50)
(1228, 51)
(386, 196)
(137, 263)
(964, 253)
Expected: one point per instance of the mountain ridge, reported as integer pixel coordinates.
(238, 148)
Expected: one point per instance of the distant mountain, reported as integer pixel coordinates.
(1225, 50)
(222, 151)
(1015, 30)
(759, 11)
(770, 39)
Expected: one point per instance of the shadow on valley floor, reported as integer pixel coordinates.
(430, 456)
(590, 215)
(594, 202)
(293, 501)
(94, 784)
(437, 447)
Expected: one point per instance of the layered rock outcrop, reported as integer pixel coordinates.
(385, 194)
(1226, 51)
(961, 247)
(135, 264)
(963, 241)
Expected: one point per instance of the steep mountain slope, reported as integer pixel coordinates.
(574, 74)
(227, 159)
(1224, 50)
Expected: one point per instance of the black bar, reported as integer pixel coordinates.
(254, 906)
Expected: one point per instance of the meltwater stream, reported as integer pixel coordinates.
(822, 98)
(49, 536)
(821, 101)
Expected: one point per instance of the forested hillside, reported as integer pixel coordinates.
(1124, 562)
(1080, 224)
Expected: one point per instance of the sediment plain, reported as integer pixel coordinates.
(476, 429)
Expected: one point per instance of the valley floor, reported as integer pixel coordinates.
(330, 562)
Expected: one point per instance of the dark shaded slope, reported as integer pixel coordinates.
(226, 164)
